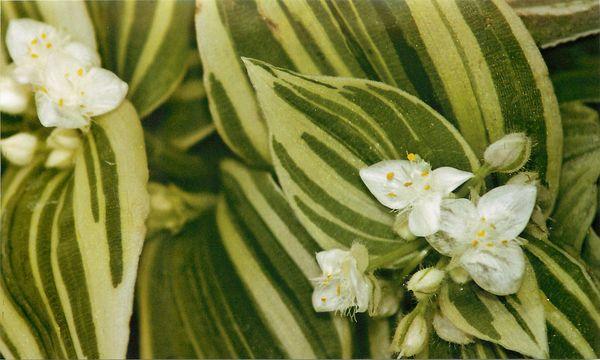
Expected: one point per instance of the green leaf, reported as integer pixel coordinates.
(147, 44)
(242, 291)
(438, 348)
(515, 322)
(324, 130)
(70, 244)
(591, 252)
(473, 61)
(578, 195)
(552, 22)
(572, 303)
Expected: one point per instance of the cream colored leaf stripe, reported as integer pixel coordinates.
(335, 127)
(53, 241)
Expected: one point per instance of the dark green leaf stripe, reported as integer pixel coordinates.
(515, 322)
(57, 281)
(146, 43)
(578, 196)
(573, 299)
(552, 22)
(324, 130)
(473, 61)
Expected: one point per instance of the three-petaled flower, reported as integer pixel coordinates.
(483, 239)
(343, 287)
(412, 187)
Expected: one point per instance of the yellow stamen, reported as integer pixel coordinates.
(490, 244)
(504, 242)
(411, 157)
(34, 41)
(474, 243)
(48, 45)
(80, 72)
(483, 219)
(338, 290)
(61, 102)
(408, 183)
(43, 35)
(324, 299)
(392, 195)
(481, 233)
(35, 56)
(427, 187)
(44, 90)
(389, 176)
(425, 173)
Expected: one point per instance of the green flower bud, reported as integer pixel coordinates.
(508, 154)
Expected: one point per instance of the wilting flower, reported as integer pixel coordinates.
(425, 282)
(483, 238)
(509, 153)
(19, 148)
(63, 144)
(343, 287)
(30, 43)
(412, 186)
(446, 330)
(73, 93)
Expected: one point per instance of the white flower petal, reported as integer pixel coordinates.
(19, 148)
(83, 53)
(20, 34)
(498, 269)
(104, 91)
(325, 298)
(458, 219)
(361, 287)
(446, 330)
(385, 180)
(443, 243)
(330, 261)
(508, 208)
(446, 179)
(424, 219)
(51, 115)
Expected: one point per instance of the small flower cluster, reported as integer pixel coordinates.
(479, 236)
(68, 83)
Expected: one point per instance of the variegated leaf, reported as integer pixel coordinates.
(572, 304)
(438, 348)
(515, 322)
(578, 196)
(473, 61)
(242, 291)
(324, 130)
(70, 246)
(552, 22)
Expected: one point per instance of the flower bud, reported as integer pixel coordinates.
(385, 299)
(64, 143)
(446, 330)
(459, 275)
(19, 148)
(14, 97)
(425, 282)
(508, 154)
(411, 335)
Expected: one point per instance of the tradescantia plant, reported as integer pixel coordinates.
(300, 179)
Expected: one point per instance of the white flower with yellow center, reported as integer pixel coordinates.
(343, 287)
(412, 186)
(483, 239)
(73, 93)
(30, 44)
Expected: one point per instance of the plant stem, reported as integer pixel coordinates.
(475, 181)
(386, 259)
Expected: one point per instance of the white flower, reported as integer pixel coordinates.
(30, 43)
(411, 186)
(483, 238)
(14, 96)
(446, 330)
(343, 286)
(19, 148)
(425, 282)
(509, 153)
(63, 144)
(73, 93)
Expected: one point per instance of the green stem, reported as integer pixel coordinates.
(386, 259)
(475, 181)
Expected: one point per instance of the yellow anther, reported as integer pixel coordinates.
(408, 183)
(338, 290)
(483, 219)
(411, 157)
(80, 72)
(61, 102)
(392, 195)
(82, 106)
(390, 176)
(43, 89)
(82, 93)
(474, 243)
(323, 299)
(48, 45)
(43, 35)
(481, 233)
(425, 173)
(504, 242)
(490, 244)
(35, 56)
(427, 187)
(493, 226)
(34, 41)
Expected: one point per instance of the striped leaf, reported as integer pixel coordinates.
(473, 61)
(441, 349)
(552, 22)
(515, 322)
(146, 43)
(324, 130)
(70, 244)
(572, 305)
(239, 290)
(578, 196)
(591, 252)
